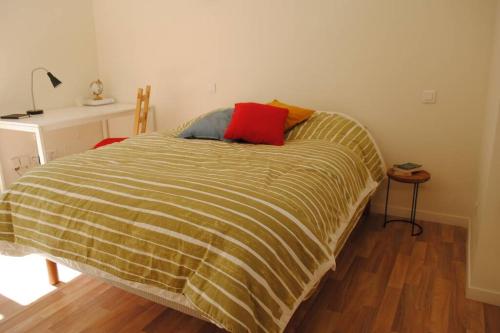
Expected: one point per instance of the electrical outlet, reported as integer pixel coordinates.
(15, 163)
(35, 161)
(51, 155)
(25, 161)
(21, 163)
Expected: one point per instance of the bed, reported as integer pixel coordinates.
(233, 233)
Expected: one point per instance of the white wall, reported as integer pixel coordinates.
(56, 34)
(484, 246)
(370, 59)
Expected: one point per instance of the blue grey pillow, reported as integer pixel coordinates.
(212, 126)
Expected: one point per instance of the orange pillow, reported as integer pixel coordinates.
(296, 115)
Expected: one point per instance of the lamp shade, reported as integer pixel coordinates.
(54, 80)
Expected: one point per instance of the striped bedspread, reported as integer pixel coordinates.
(243, 231)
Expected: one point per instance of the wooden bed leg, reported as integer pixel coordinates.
(52, 271)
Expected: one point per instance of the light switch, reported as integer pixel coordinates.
(429, 96)
(212, 88)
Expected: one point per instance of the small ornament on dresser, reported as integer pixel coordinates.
(96, 88)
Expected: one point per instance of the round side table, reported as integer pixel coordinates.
(416, 179)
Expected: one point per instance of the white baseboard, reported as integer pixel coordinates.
(482, 295)
(476, 293)
(423, 215)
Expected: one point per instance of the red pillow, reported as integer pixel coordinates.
(108, 141)
(257, 123)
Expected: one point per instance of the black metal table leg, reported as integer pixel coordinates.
(413, 213)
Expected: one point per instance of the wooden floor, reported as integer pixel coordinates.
(386, 281)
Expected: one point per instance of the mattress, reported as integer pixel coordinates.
(238, 233)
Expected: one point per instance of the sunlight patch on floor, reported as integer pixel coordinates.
(24, 279)
(1, 317)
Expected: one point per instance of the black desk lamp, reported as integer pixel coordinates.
(55, 82)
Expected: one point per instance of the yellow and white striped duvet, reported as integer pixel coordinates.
(242, 231)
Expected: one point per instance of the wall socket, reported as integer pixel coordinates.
(16, 164)
(22, 163)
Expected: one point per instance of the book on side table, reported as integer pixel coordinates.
(406, 169)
